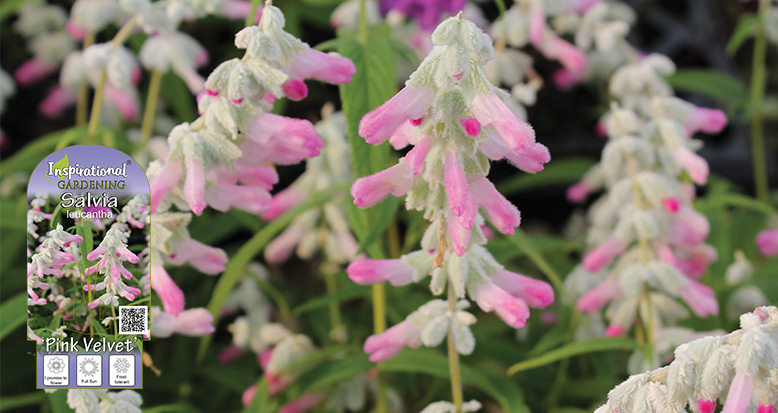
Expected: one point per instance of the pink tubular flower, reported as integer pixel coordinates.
(192, 322)
(691, 163)
(164, 182)
(403, 135)
(693, 260)
(490, 297)
(471, 127)
(579, 192)
(740, 393)
(767, 241)
(416, 156)
(33, 71)
(369, 190)
(205, 258)
(387, 344)
(537, 294)
(602, 294)
(572, 58)
(504, 215)
(460, 236)
(614, 331)
(222, 196)
(604, 254)
(239, 10)
(302, 404)
(295, 89)
(194, 186)
(327, 67)
(700, 298)
(761, 408)
(171, 295)
(280, 140)
(409, 103)
(671, 204)
(367, 271)
(688, 227)
(706, 120)
(126, 102)
(459, 200)
(489, 109)
(282, 202)
(57, 100)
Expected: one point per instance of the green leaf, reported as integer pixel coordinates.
(261, 400)
(22, 400)
(13, 314)
(27, 158)
(371, 85)
(524, 243)
(712, 83)
(558, 172)
(739, 201)
(59, 401)
(178, 96)
(329, 373)
(746, 27)
(433, 363)
(342, 295)
(574, 349)
(247, 252)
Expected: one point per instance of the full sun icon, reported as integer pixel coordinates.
(89, 367)
(56, 365)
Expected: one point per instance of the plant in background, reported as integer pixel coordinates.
(456, 121)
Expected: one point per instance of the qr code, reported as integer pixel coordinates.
(133, 320)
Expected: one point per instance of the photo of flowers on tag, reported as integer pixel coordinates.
(88, 244)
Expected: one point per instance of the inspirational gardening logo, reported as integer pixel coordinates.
(92, 177)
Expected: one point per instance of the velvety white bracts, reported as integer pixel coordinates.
(740, 368)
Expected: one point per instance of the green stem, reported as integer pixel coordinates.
(453, 357)
(254, 8)
(337, 329)
(362, 36)
(97, 104)
(83, 89)
(151, 107)
(758, 83)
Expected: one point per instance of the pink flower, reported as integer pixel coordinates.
(302, 404)
(596, 298)
(367, 271)
(409, 103)
(282, 202)
(367, 191)
(671, 204)
(693, 260)
(459, 200)
(537, 27)
(604, 254)
(688, 227)
(192, 322)
(579, 6)
(172, 297)
(471, 127)
(280, 140)
(194, 186)
(572, 58)
(205, 258)
(33, 71)
(416, 156)
(536, 293)
(57, 100)
(614, 331)
(386, 345)
(295, 89)
(327, 67)
(167, 179)
(700, 298)
(403, 135)
(761, 408)
(239, 9)
(706, 120)
(74, 30)
(490, 297)
(489, 109)
(767, 241)
(460, 236)
(691, 163)
(739, 396)
(579, 192)
(504, 215)
(126, 102)
(222, 196)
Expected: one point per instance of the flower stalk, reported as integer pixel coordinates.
(151, 107)
(756, 101)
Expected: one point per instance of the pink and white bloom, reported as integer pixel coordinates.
(410, 103)
(386, 345)
(192, 322)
